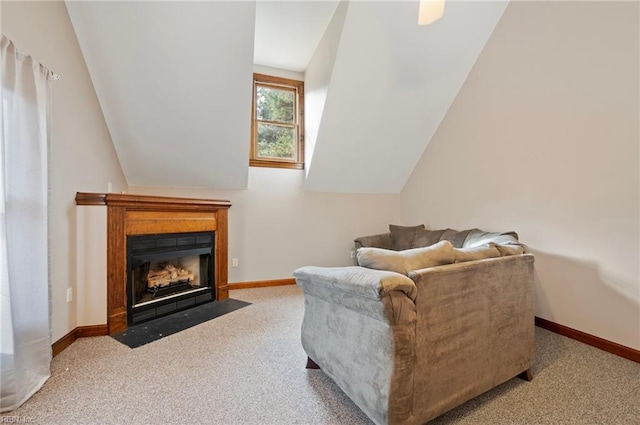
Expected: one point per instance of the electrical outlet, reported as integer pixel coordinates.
(234, 262)
(353, 254)
(109, 187)
(69, 295)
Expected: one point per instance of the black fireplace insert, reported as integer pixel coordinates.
(167, 273)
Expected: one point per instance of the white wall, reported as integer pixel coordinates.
(171, 73)
(391, 84)
(277, 72)
(317, 78)
(543, 139)
(91, 265)
(82, 157)
(276, 227)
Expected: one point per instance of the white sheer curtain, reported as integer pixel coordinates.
(25, 338)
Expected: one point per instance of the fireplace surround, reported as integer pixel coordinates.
(131, 216)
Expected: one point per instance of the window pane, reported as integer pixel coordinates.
(274, 104)
(275, 141)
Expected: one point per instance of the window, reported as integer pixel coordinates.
(277, 127)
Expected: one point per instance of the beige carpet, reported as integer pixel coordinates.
(247, 367)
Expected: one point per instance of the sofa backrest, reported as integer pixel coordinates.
(376, 251)
(382, 240)
(401, 238)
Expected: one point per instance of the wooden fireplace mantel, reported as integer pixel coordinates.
(144, 215)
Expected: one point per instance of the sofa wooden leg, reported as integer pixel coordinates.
(311, 364)
(527, 375)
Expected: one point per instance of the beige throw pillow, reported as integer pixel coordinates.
(405, 261)
(506, 250)
(476, 253)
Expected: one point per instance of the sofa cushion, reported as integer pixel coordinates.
(478, 237)
(382, 240)
(476, 253)
(405, 261)
(455, 237)
(402, 236)
(511, 249)
(424, 237)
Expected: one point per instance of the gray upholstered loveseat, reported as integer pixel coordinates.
(453, 320)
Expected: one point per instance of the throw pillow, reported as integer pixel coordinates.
(455, 237)
(402, 236)
(479, 237)
(405, 261)
(424, 237)
(511, 249)
(476, 253)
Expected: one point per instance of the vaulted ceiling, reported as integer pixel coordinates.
(391, 83)
(174, 83)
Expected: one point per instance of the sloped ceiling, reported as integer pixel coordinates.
(391, 84)
(287, 32)
(174, 83)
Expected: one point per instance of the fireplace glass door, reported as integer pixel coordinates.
(168, 273)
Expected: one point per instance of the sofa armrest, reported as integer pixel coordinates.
(382, 240)
(354, 280)
(359, 327)
(381, 295)
(473, 319)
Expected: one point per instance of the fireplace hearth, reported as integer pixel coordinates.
(168, 273)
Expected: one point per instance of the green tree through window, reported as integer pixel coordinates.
(277, 124)
(276, 132)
